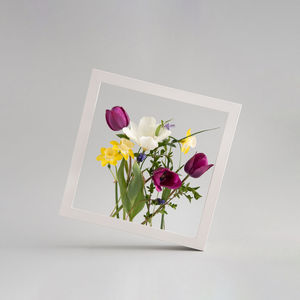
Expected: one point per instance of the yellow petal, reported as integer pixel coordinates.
(114, 143)
(113, 162)
(104, 162)
(127, 143)
(102, 150)
(131, 153)
(99, 157)
(125, 155)
(187, 150)
(189, 132)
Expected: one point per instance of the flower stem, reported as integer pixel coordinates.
(117, 211)
(112, 173)
(166, 203)
(116, 193)
(162, 221)
(195, 133)
(180, 155)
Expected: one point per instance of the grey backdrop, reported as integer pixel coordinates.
(243, 51)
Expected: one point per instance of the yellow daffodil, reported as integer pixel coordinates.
(189, 141)
(109, 156)
(125, 147)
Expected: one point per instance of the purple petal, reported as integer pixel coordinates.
(189, 165)
(120, 116)
(113, 125)
(156, 178)
(200, 171)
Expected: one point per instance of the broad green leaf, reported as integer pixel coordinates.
(123, 186)
(165, 194)
(138, 205)
(135, 193)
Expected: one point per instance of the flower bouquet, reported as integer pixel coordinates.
(148, 181)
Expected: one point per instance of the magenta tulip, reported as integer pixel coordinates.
(197, 165)
(166, 178)
(117, 118)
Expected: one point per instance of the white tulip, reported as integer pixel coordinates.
(144, 133)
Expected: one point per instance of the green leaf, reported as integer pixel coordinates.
(135, 193)
(165, 194)
(122, 135)
(173, 205)
(189, 197)
(151, 187)
(138, 205)
(158, 129)
(123, 186)
(201, 131)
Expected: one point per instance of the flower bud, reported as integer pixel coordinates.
(117, 118)
(197, 165)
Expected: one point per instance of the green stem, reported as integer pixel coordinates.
(162, 222)
(117, 211)
(116, 196)
(166, 203)
(112, 173)
(179, 140)
(180, 155)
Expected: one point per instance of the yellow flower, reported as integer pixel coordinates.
(109, 156)
(189, 141)
(125, 147)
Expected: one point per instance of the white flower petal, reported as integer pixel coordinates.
(147, 126)
(163, 134)
(193, 141)
(131, 132)
(147, 143)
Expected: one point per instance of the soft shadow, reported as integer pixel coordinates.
(128, 247)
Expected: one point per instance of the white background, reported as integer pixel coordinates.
(242, 51)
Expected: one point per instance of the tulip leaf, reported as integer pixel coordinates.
(165, 194)
(135, 192)
(122, 135)
(158, 129)
(138, 205)
(123, 186)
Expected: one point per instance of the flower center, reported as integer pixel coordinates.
(165, 177)
(109, 153)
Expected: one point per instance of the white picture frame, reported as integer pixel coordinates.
(67, 208)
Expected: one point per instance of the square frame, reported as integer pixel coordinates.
(98, 76)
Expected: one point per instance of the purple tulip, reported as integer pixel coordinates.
(197, 165)
(165, 177)
(117, 118)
